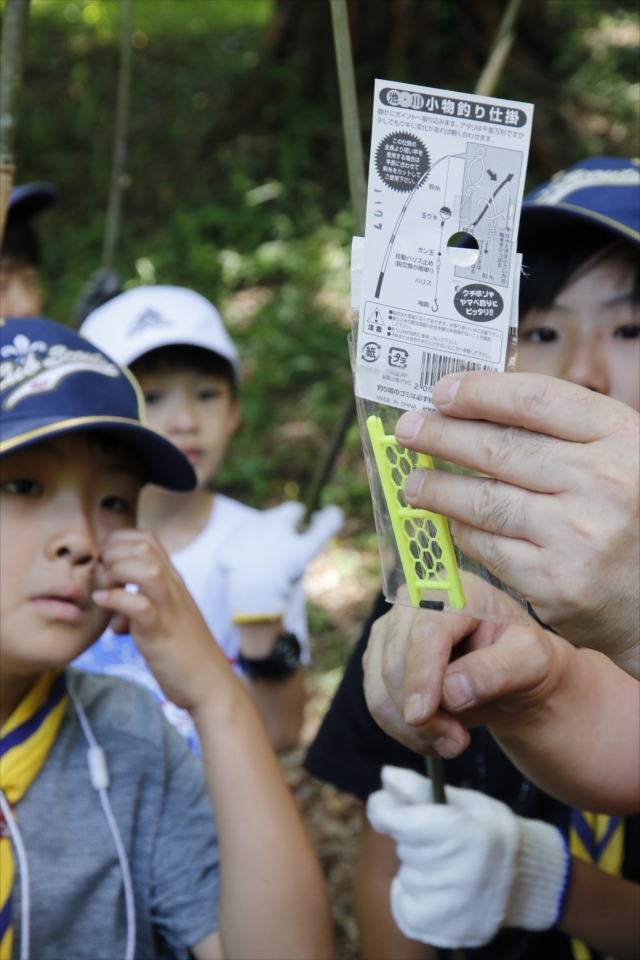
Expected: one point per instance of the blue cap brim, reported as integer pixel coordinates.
(163, 464)
(537, 218)
(30, 199)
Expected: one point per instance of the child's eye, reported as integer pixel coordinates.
(116, 504)
(152, 396)
(540, 335)
(209, 393)
(23, 488)
(630, 331)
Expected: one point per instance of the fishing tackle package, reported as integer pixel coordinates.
(434, 291)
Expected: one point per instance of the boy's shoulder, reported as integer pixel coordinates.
(120, 711)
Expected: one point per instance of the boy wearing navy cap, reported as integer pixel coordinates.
(242, 566)
(579, 321)
(20, 294)
(113, 851)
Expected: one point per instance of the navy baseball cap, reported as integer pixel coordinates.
(602, 191)
(53, 382)
(29, 199)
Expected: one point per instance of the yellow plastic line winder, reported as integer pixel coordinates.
(423, 538)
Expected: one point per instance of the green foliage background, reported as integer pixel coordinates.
(237, 182)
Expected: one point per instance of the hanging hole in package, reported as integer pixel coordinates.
(434, 291)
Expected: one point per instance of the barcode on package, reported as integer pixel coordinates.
(435, 366)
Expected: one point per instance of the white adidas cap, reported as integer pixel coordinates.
(147, 317)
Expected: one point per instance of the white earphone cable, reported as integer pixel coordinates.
(99, 774)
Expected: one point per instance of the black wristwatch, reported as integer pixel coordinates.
(282, 662)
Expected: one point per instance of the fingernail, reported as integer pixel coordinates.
(445, 390)
(414, 708)
(457, 690)
(99, 596)
(408, 425)
(413, 484)
(455, 527)
(447, 747)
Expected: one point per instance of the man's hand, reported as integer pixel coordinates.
(557, 517)
(162, 617)
(429, 676)
(568, 718)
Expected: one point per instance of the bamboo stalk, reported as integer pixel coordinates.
(500, 49)
(116, 188)
(12, 56)
(350, 115)
(358, 191)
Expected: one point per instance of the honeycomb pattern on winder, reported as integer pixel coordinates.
(422, 537)
(420, 532)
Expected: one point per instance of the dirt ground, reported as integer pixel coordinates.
(341, 585)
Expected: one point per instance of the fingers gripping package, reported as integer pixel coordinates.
(435, 286)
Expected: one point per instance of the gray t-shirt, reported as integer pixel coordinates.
(162, 808)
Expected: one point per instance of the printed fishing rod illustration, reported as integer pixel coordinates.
(474, 180)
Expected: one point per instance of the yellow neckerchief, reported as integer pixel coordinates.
(598, 839)
(25, 741)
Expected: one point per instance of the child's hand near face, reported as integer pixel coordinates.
(162, 617)
(239, 764)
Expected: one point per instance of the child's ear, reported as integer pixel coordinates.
(235, 417)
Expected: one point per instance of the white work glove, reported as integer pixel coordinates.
(468, 867)
(266, 556)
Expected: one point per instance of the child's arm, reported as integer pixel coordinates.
(273, 900)
(380, 936)
(279, 701)
(471, 866)
(263, 562)
(602, 910)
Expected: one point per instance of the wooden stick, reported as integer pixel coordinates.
(435, 771)
(120, 139)
(12, 57)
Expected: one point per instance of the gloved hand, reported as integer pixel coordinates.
(468, 867)
(267, 556)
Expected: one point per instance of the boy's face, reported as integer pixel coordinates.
(590, 335)
(59, 499)
(19, 291)
(197, 411)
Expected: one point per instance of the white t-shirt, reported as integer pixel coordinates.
(199, 566)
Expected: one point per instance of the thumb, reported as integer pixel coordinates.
(511, 673)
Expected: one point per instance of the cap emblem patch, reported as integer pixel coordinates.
(31, 367)
(565, 183)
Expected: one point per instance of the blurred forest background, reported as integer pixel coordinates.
(236, 175)
(236, 185)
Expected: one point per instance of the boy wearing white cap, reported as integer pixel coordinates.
(241, 565)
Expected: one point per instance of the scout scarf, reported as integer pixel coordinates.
(599, 839)
(25, 741)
